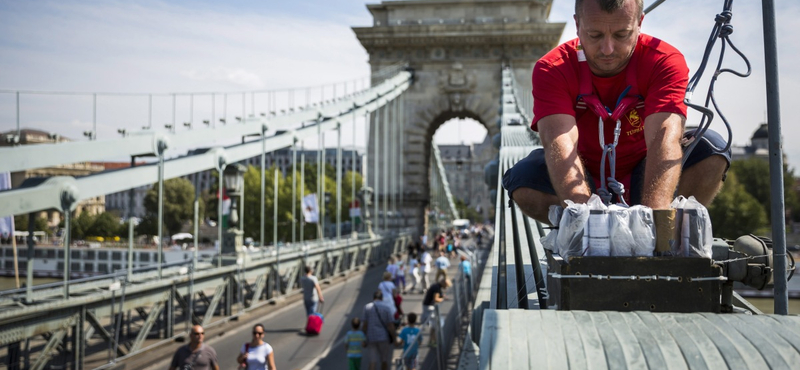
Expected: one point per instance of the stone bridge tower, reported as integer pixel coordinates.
(457, 49)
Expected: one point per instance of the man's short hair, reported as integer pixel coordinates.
(412, 318)
(609, 6)
(377, 295)
(309, 269)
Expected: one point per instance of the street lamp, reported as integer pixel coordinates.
(233, 177)
(233, 180)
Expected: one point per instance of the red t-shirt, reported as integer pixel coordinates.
(661, 75)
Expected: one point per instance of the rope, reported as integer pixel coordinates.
(722, 30)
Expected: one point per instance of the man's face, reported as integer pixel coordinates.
(608, 39)
(197, 334)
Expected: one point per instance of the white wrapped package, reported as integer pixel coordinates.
(570, 229)
(549, 240)
(675, 242)
(596, 233)
(622, 239)
(695, 227)
(643, 230)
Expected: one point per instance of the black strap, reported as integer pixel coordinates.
(377, 313)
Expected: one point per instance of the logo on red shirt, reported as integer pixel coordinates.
(635, 121)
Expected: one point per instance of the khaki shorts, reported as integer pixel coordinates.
(379, 352)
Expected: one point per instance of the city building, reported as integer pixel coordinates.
(464, 168)
(758, 147)
(94, 205)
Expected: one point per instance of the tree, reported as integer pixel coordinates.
(465, 211)
(753, 174)
(178, 204)
(105, 224)
(39, 224)
(735, 212)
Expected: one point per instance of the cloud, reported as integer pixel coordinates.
(239, 77)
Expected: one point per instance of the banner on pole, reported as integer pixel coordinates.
(355, 211)
(310, 209)
(6, 223)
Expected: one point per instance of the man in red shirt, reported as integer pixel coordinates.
(628, 86)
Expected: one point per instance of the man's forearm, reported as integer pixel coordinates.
(566, 170)
(663, 166)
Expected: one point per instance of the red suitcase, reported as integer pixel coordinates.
(314, 325)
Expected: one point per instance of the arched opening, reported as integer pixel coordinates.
(465, 148)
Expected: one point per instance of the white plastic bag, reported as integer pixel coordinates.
(570, 229)
(549, 240)
(695, 228)
(622, 239)
(643, 230)
(596, 238)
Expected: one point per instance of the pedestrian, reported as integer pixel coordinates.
(413, 267)
(380, 331)
(442, 263)
(257, 354)
(391, 267)
(400, 275)
(433, 296)
(425, 261)
(196, 355)
(466, 271)
(312, 293)
(398, 305)
(388, 289)
(354, 342)
(411, 338)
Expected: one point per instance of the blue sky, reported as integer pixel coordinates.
(197, 46)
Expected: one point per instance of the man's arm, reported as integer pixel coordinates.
(662, 132)
(319, 292)
(559, 134)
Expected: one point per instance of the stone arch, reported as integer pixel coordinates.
(457, 51)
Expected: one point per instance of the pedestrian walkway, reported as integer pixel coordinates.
(295, 350)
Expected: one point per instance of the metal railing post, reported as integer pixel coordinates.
(338, 181)
(376, 156)
(67, 225)
(776, 158)
(440, 361)
(263, 185)
(161, 209)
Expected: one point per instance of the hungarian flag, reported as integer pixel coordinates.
(355, 211)
(226, 208)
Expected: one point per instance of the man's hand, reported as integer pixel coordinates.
(559, 134)
(662, 132)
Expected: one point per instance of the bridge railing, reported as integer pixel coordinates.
(514, 274)
(442, 202)
(99, 318)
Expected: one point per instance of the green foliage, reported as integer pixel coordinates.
(252, 208)
(465, 211)
(39, 224)
(178, 205)
(104, 224)
(753, 174)
(735, 212)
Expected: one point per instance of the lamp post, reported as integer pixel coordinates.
(366, 200)
(233, 178)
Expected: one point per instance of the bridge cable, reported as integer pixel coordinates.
(722, 30)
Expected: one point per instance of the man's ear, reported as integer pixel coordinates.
(578, 24)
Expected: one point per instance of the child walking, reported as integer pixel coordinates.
(410, 338)
(354, 343)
